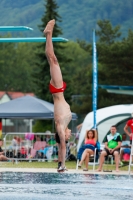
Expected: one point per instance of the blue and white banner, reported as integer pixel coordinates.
(95, 84)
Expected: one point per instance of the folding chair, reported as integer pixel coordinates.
(95, 157)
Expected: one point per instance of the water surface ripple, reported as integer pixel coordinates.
(53, 186)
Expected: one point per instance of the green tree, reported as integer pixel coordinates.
(107, 34)
(16, 66)
(116, 64)
(23, 67)
(81, 79)
(115, 67)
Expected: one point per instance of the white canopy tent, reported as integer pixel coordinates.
(106, 117)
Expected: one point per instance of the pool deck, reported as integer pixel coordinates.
(70, 171)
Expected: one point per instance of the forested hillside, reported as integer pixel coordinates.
(78, 17)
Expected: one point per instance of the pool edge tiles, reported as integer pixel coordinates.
(52, 170)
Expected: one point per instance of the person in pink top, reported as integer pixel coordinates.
(129, 124)
(91, 139)
(38, 145)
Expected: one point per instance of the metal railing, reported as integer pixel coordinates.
(25, 148)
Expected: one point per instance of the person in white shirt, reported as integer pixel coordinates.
(14, 146)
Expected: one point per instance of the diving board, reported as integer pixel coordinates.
(32, 39)
(118, 89)
(15, 28)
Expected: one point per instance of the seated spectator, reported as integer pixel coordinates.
(2, 157)
(50, 147)
(90, 140)
(48, 136)
(125, 147)
(14, 141)
(38, 145)
(112, 147)
(51, 141)
(14, 146)
(47, 152)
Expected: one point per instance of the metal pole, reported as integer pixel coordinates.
(95, 85)
(31, 125)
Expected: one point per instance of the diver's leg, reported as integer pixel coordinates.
(59, 155)
(56, 75)
(62, 148)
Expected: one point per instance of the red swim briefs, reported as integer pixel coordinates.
(56, 90)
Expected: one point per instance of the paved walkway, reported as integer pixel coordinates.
(51, 170)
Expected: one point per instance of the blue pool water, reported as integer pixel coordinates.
(54, 186)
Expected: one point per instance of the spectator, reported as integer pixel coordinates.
(14, 141)
(49, 149)
(129, 124)
(38, 145)
(48, 136)
(2, 157)
(125, 147)
(16, 145)
(90, 140)
(112, 147)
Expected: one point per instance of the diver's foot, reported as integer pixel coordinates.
(117, 170)
(49, 27)
(62, 169)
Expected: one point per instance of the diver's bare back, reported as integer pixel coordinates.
(62, 112)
